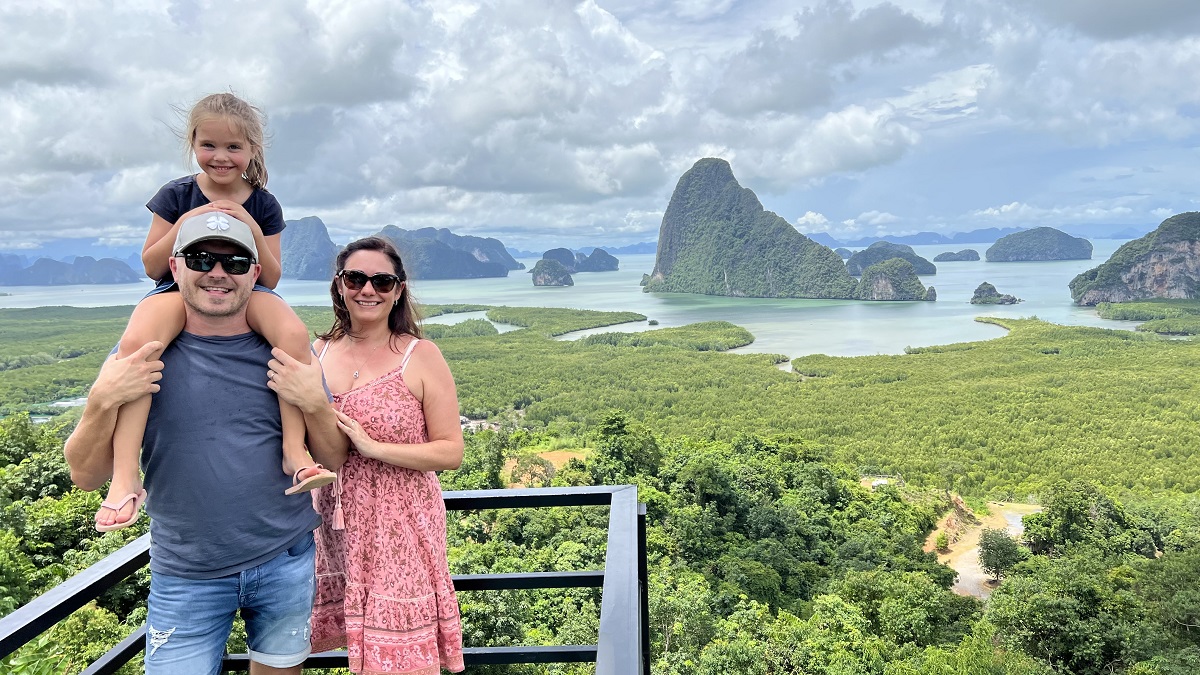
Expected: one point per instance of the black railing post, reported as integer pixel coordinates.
(644, 588)
(54, 605)
(619, 599)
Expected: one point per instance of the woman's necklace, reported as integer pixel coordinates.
(364, 361)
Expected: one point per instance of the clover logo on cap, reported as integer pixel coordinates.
(217, 222)
(209, 226)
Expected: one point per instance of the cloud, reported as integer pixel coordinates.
(778, 72)
(876, 218)
(1031, 216)
(572, 121)
(811, 222)
(1118, 19)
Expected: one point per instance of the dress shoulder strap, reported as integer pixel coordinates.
(324, 348)
(408, 354)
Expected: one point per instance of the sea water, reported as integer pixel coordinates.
(790, 327)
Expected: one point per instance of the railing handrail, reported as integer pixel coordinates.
(622, 601)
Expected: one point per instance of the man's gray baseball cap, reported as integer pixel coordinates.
(214, 226)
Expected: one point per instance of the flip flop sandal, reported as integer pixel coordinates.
(313, 482)
(137, 497)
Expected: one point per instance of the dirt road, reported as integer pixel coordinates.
(963, 555)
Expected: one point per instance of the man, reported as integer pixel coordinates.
(224, 536)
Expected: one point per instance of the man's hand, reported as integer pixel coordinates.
(304, 387)
(296, 383)
(237, 211)
(89, 450)
(123, 380)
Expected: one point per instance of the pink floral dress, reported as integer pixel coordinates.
(383, 584)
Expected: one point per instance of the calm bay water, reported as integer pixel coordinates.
(790, 327)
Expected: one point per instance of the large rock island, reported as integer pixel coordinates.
(965, 255)
(599, 261)
(307, 250)
(893, 279)
(716, 239)
(1162, 264)
(1040, 243)
(428, 253)
(986, 294)
(550, 272)
(885, 250)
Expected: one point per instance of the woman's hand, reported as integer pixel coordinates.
(357, 435)
(296, 383)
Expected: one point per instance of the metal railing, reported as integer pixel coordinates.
(622, 646)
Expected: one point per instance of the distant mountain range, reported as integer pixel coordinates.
(16, 271)
(632, 249)
(309, 252)
(982, 236)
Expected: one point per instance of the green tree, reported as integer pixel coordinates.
(623, 449)
(999, 553)
(1077, 613)
(1078, 512)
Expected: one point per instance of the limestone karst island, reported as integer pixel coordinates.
(717, 239)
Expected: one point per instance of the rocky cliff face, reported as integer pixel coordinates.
(884, 250)
(717, 239)
(307, 250)
(1162, 264)
(549, 272)
(892, 279)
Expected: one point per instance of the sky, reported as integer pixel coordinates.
(545, 123)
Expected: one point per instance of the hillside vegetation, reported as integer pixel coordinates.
(767, 556)
(999, 418)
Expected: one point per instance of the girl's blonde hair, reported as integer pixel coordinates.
(247, 119)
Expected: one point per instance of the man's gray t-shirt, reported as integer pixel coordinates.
(212, 456)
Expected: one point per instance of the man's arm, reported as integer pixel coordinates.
(304, 387)
(89, 450)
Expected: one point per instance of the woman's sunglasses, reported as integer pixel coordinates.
(355, 280)
(204, 261)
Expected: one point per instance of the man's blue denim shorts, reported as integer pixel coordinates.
(189, 620)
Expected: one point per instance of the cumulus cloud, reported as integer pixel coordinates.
(1028, 215)
(541, 120)
(831, 42)
(811, 222)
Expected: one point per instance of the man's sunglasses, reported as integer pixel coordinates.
(355, 280)
(204, 261)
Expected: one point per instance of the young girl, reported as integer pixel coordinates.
(225, 137)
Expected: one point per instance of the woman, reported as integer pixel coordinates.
(383, 584)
